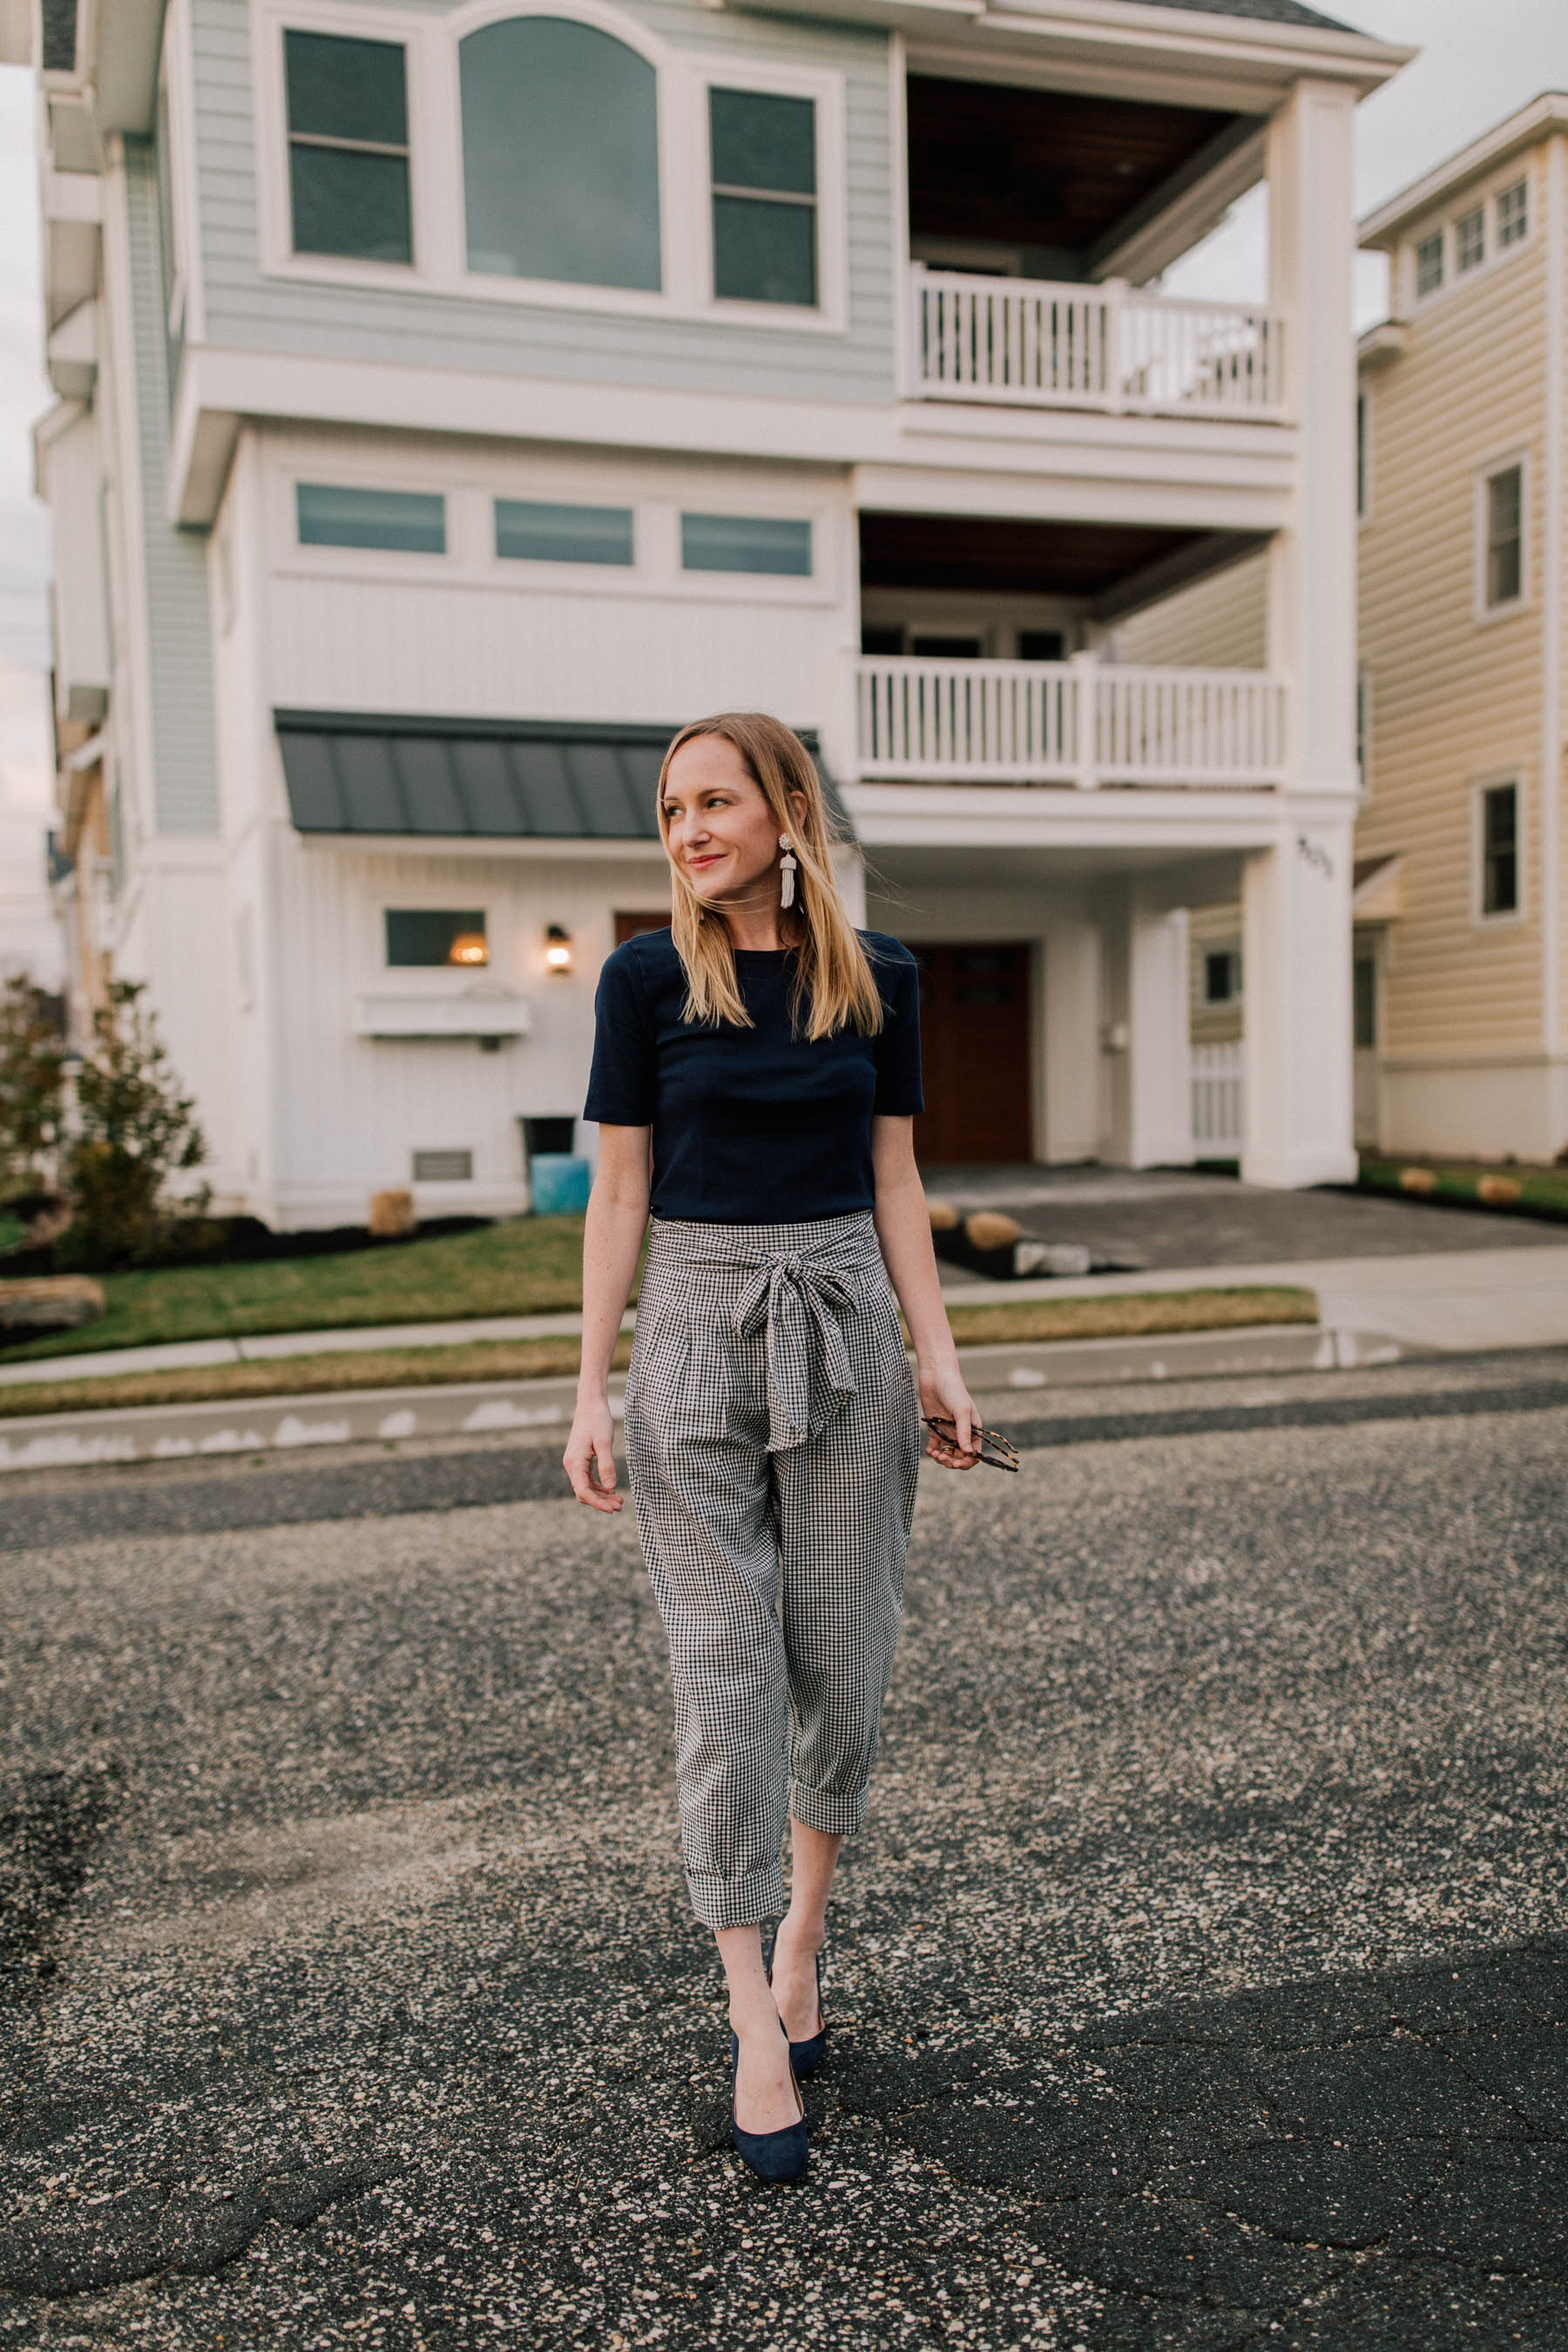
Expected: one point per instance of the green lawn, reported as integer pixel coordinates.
(1543, 1191)
(532, 1267)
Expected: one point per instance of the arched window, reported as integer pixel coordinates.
(559, 155)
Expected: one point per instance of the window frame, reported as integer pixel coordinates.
(555, 567)
(825, 92)
(726, 509)
(1495, 200)
(470, 483)
(434, 899)
(1498, 779)
(1363, 452)
(1437, 236)
(1473, 213)
(1235, 976)
(1484, 197)
(1485, 613)
(430, 41)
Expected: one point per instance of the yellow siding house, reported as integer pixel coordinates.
(1460, 905)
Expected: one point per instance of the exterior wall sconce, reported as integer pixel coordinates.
(558, 948)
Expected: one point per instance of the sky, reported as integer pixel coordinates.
(1480, 60)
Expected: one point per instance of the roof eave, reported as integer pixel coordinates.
(1121, 29)
(1379, 230)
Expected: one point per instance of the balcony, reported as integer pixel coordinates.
(1084, 723)
(1025, 343)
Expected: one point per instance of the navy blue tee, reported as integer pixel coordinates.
(752, 1127)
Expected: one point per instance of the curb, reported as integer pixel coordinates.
(157, 1432)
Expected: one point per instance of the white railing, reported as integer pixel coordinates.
(1219, 1101)
(1030, 343)
(1083, 722)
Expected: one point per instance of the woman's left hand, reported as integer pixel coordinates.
(944, 1397)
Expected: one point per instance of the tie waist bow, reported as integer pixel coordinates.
(800, 1301)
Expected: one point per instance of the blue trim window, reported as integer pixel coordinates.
(348, 146)
(409, 522)
(745, 543)
(539, 534)
(763, 154)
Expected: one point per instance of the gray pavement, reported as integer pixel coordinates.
(1201, 1979)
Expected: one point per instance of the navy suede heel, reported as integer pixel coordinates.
(772, 2156)
(806, 2056)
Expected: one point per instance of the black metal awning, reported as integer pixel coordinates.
(350, 772)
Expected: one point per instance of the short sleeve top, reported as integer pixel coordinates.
(752, 1126)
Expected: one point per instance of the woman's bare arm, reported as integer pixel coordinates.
(904, 1229)
(612, 1238)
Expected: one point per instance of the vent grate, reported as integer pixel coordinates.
(443, 1167)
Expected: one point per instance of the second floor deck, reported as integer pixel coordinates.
(1083, 723)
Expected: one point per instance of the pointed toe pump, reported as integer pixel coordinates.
(772, 2156)
(806, 2056)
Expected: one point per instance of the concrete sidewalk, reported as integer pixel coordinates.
(1453, 1300)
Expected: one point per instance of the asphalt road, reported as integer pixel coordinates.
(1201, 1979)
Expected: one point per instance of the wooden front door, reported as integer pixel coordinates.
(627, 927)
(975, 1038)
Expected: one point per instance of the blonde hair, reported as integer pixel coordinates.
(834, 985)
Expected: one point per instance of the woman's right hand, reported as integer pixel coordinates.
(589, 1456)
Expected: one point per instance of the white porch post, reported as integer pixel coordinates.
(1297, 895)
(1146, 1035)
(1070, 1088)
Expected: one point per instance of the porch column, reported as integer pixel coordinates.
(1312, 561)
(1296, 981)
(1296, 895)
(1145, 1038)
(1070, 1029)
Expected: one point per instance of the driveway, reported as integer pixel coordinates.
(1180, 1217)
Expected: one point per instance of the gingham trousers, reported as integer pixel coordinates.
(773, 1443)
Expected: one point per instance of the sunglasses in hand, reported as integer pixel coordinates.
(993, 1448)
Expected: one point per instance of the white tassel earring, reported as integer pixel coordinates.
(786, 871)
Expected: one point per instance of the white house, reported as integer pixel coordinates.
(455, 397)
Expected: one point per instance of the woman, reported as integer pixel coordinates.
(756, 1074)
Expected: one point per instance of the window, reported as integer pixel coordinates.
(1505, 537)
(1363, 1002)
(557, 534)
(1514, 215)
(744, 544)
(333, 515)
(559, 155)
(1429, 264)
(429, 936)
(878, 638)
(1222, 976)
(764, 155)
(1499, 850)
(443, 1167)
(1362, 425)
(1470, 238)
(348, 146)
(1042, 644)
(942, 646)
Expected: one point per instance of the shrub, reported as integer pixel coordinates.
(134, 1129)
(32, 1057)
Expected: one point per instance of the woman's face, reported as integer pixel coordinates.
(721, 830)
